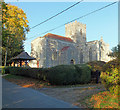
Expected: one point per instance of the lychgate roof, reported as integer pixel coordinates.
(23, 56)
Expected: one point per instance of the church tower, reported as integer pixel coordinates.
(76, 31)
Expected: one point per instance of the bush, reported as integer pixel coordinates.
(5, 70)
(96, 66)
(69, 74)
(83, 73)
(58, 75)
(38, 73)
(61, 75)
(111, 80)
(111, 64)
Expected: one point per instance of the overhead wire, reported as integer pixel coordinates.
(57, 14)
(78, 18)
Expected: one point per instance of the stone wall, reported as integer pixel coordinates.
(38, 51)
(60, 52)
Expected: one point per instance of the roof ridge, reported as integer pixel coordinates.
(50, 35)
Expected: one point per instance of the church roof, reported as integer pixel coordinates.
(49, 35)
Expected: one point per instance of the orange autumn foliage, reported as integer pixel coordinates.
(102, 100)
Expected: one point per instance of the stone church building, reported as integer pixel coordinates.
(51, 50)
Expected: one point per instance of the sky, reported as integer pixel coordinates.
(102, 23)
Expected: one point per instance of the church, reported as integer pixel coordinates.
(51, 50)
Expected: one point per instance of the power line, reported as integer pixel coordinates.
(57, 14)
(77, 18)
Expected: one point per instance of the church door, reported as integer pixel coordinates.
(90, 54)
(37, 64)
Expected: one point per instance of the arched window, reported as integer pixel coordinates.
(90, 54)
(81, 57)
(81, 32)
(54, 56)
(72, 61)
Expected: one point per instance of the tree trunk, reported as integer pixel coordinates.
(6, 52)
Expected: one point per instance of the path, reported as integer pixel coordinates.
(15, 96)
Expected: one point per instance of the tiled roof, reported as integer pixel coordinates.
(49, 35)
(23, 56)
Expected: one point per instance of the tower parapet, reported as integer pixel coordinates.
(76, 31)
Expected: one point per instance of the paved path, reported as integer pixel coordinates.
(15, 96)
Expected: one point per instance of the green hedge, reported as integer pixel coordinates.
(58, 75)
(62, 75)
(38, 73)
(69, 74)
(5, 70)
(83, 73)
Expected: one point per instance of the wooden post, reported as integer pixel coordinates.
(20, 63)
(14, 64)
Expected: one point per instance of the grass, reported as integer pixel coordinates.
(26, 81)
(86, 100)
(9, 76)
(19, 79)
(102, 99)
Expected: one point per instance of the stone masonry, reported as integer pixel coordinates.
(51, 50)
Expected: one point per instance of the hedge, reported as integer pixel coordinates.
(58, 75)
(5, 70)
(69, 74)
(37, 73)
(84, 73)
(62, 75)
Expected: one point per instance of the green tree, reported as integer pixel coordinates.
(115, 52)
(14, 28)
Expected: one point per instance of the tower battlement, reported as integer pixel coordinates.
(76, 31)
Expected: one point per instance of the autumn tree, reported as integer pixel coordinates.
(14, 28)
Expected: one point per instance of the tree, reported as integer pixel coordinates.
(14, 28)
(115, 52)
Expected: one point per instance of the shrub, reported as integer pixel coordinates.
(38, 73)
(95, 66)
(83, 73)
(111, 64)
(69, 74)
(58, 75)
(111, 80)
(5, 70)
(62, 75)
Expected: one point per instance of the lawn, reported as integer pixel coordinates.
(26, 81)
